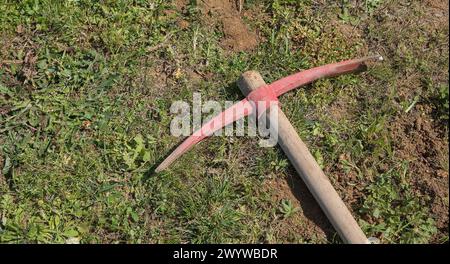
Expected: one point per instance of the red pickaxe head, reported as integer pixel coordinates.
(268, 93)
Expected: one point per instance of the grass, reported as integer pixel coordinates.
(390, 202)
(85, 92)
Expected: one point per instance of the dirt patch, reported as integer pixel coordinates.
(309, 223)
(183, 24)
(416, 139)
(180, 5)
(226, 16)
(26, 65)
(340, 109)
(438, 4)
(237, 36)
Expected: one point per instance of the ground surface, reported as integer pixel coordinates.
(85, 92)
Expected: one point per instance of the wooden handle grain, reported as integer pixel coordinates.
(308, 169)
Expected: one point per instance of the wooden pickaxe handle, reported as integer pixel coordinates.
(308, 169)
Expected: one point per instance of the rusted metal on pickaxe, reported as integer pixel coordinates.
(255, 89)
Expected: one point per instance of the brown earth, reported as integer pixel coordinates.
(225, 15)
(309, 223)
(416, 138)
(26, 65)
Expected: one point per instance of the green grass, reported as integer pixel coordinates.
(85, 92)
(399, 215)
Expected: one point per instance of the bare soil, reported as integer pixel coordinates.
(225, 15)
(310, 222)
(417, 139)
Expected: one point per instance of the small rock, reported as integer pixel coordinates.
(73, 240)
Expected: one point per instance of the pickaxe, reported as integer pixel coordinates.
(256, 90)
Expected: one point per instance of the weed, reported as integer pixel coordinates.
(394, 212)
(287, 208)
